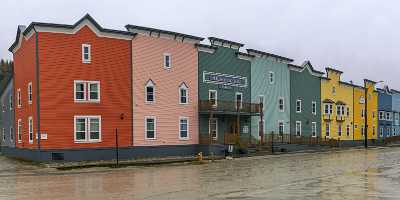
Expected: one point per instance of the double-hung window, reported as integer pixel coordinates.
(298, 128)
(183, 128)
(327, 129)
(238, 100)
(167, 61)
(339, 130)
(381, 131)
(150, 92)
(213, 128)
(19, 98)
(150, 128)
(30, 129)
(381, 115)
(183, 94)
(19, 130)
(314, 108)
(298, 105)
(314, 129)
(87, 129)
(388, 116)
(271, 77)
(30, 92)
(86, 53)
(87, 91)
(362, 113)
(348, 130)
(281, 127)
(212, 97)
(281, 104)
(328, 109)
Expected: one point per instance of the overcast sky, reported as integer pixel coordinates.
(359, 37)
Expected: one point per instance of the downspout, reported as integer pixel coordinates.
(353, 113)
(132, 92)
(37, 91)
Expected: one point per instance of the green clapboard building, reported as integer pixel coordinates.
(305, 95)
(224, 93)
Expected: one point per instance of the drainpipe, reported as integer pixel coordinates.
(37, 91)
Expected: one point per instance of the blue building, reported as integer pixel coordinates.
(396, 112)
(385, 112)
(7, 135)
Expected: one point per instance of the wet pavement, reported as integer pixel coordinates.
(347, 174)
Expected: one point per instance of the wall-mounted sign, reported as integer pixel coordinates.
(224, 79)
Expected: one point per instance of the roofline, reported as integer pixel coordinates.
(367, 80)
(269, 54)
(335, 70)
(244, 54)
(225, 41)
(143, 28)
(206, 46)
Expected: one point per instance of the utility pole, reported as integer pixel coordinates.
(365, 115)
(116, 147)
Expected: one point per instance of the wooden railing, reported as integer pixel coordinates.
(229, 106)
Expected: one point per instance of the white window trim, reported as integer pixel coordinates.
(187, 122)
(241, 97)
(283, 126)
(150, 83)
(314, 104)
(269, 77)
(170, 60)
(86, 91)
(328, 125)
(314, 128)
(30, 129)
(216, 125)
(89, 60)
(298, 122)
(297, 101)
(184, 87)
(145, 127)
(19, 133)
(98, 91)
(216, 96)
(87, 129)
(19, 98)
(383, 115)
(30, 93)
(283, 104)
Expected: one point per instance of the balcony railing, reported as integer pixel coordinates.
(327, 117)
(229, 106)
(340, 118)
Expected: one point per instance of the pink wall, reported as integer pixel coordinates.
(148, 63)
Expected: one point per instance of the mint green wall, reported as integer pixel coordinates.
(260, 68)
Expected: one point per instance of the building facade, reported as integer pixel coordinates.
(385, 112)
(165, 88)
(270, 80)
(224, 92)
(336, 106)
(396, 112)
(7, 134)
(305, 100)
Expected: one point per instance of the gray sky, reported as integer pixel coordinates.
(359, 37)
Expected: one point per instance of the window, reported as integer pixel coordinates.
(30, 130)
(4, 134)
(388, 116)
(271, 77)
(150, 92)
(19, 131)
(10, 102)
(298, 128)
(328, 108)
(86, 53)
(261, 101)
(314, 129)
(362, 113)
(183, 128)
(348, 111)
(30, 92)
(19, 100)
(183, 94)
(281, 104)
(150, 128)
(314, 108)
(238, 100)
(87, 129)
(388, 131)
(381, 115)
(3, 108)
(327, 129)
(11, 133)
(281, 127)
(212, 97)
(298, 106)
(394, 131)
(362, 130)
(213, 127)
(355, 126)
(87, 91)
(333, 90)
(167, 61)
(339, 130)
(381, 131)
(373, 114)
(348, 130)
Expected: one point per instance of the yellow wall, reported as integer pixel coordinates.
(372, 115)
(344, 93)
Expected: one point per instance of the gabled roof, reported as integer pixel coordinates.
(252, 51)
(224, 42)
(135, 28)
(308, 63)
(70, 29)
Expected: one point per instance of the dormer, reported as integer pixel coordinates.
(333, 74)
(225, 43)
(306, 66)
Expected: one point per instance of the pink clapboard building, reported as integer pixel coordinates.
(164, 87)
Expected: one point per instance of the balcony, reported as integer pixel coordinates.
(340, 118)
(229, 107)
(327, 117)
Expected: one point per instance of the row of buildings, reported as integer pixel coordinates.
(80, 90)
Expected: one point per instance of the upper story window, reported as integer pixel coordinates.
(11, 102)
(87, 129)
(239, 100)
(150, 127)
(340, 110)
(213, 97)
(30, 92)
(388, 116)
(362, 113)
(348, 111)
(314, 108)
(183, 94)
(271, 77)
(328, 108)
(86, 53)
(183, 128)
(281, 104)
(87, 91)
(30, 129)
(298, 105)
(19, 98)
(150, 92)
(167, 61)
(381, 115)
